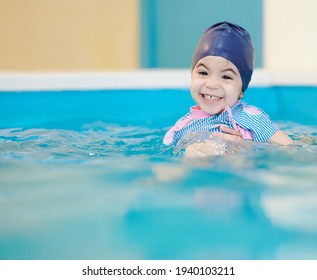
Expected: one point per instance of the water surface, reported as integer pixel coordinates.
(113, 191)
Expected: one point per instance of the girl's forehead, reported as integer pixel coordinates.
(215, 61)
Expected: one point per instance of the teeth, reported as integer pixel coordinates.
(211, 97)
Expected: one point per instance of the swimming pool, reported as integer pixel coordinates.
(84, 175)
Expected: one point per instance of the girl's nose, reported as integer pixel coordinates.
(212, 83)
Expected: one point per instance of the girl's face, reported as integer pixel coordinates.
(215, 84)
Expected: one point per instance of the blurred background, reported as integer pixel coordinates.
(102, 35)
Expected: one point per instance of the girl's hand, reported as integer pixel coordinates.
(199, 150)
(229, 134)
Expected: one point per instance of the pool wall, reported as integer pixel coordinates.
(66, 100)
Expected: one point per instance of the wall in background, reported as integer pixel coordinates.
(290, 35)
(68, 35)
(170, 29)
(81, 35)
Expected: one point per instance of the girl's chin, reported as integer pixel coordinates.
(211, 111)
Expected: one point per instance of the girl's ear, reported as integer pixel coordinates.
(241, 95)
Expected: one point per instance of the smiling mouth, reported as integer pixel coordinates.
(210, 98)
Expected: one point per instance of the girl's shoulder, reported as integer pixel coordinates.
(255, 120)
(249, 110)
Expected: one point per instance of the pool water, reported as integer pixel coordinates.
(84, 175)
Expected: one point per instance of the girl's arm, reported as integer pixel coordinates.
(230, 134)
(282, 138)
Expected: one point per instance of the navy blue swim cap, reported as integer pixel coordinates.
(229, 41)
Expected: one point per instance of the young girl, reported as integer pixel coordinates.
(222, 67)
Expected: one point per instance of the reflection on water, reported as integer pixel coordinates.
(115, 192)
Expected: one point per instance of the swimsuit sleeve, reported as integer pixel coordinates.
(169, 136)
(257, 122)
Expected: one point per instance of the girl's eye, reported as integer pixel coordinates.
(203, 73)
(226, 77)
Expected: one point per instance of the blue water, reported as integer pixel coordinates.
(84, 175)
